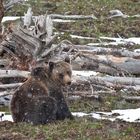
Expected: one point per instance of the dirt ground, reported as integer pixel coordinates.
(80, 128)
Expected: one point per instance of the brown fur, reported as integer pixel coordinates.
(40, 99)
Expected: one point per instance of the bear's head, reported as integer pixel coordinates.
(61, 72)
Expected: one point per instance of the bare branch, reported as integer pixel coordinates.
(49, 27)
(28, 18)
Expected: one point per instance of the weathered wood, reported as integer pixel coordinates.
(26, 37)
(4, 62)
(108, 81)
(31, 46)
(107, 64)
(105, 83)
(106, 51)
(131, 98)
(72, 17)
(37, 43)
(14, 73)
(7, 86)
(28, 18)
(46, 49)
(6, 93)
(96, 64)
(53, 48)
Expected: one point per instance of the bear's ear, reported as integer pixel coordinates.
(37, 71)
(51, 65)
(67, 59)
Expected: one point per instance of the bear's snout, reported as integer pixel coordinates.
(67, 80)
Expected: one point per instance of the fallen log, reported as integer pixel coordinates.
(6, 93)
(106, 51)
(7, 86)
(131, 98)
(87, 87)
(14, 73)
(108, 81)
(72, 17)
(107, 64)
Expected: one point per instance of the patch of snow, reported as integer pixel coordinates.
(102, 117)
(6, 117)
(135, 40)
(95, 115)
(128, 115)
(79, 114)
(137, 50)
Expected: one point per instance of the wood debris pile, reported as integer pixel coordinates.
(33, 42)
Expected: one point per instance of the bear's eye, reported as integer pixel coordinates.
(61, 75)
(68, 72)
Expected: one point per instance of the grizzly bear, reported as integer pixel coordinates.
(40, 99)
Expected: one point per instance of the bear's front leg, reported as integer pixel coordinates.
(63, 111)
